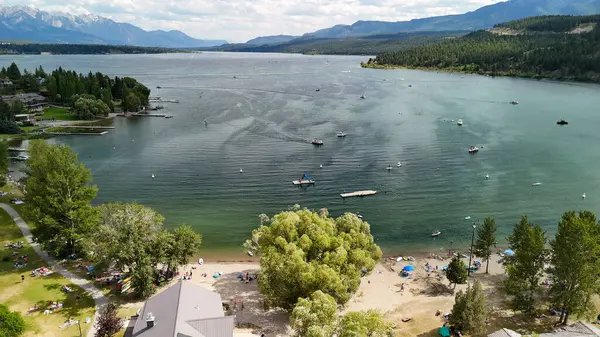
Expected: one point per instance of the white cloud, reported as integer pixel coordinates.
(240, 20)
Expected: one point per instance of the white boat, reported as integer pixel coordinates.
(436, 233)
(473, 149)
(363, 97)
(321, 166)
(459, 122)
(241, 171)
(514, 102)
(358, 194)
(399, 164)
(317, 142)
(389, 168)
(535, 184)
(583, 196)
(341, 134)
(487, 176)
(22, 157)
(152, 175)
(168, 116)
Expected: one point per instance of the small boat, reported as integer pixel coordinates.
(22, 157)
(317, 89)
(467, 218)
(436, 234)
(305, 180)
(234, 76)
(535, 184)
(169, 116)
(317, 142)
(514, 102)
(358, 194)
(158, 87)
(363, 97)
(321, 166)
(241, 171)
(358, 215)
(562, 122)
(583, 196)
(487, 176)
(399, 164)
(459, 122)
(410, 85)
(473, 149)
(389, 168)
(152, 175)
(250, 253)
(341, 134)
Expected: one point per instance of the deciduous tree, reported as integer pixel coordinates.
(486, 239)
(302, 252)
(11, 323)
(315, 316)
(109, 323)
(58, 198)
(526, 266)
(576, 261)
(364, 323)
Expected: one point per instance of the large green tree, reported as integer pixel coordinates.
(84, 108)
(576, 261)
(303, 251)
(525, 268)
(131, 102)
(469, 312)
(58, 198)
(364, 323)
(13, 72)
(109, 323)
(186, 243)
(4, 162)
(7, 119)
(315, 316)
(457, 272)
(486, 239)
(11, 323)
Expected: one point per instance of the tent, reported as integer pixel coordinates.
(216, 275)
(509, 252)
(408, 268)
(444, 331)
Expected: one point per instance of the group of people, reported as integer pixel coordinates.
(21, 261)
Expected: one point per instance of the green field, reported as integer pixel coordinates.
(21, 296)
(61, 114)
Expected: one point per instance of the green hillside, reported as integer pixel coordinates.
(557, 47)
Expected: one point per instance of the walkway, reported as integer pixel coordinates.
(97, 295)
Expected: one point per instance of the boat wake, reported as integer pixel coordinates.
(262, 128)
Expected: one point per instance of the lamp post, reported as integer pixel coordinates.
(471, 254)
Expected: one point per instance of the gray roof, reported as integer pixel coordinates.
(184, 310)
(578, 329)
(505, 333)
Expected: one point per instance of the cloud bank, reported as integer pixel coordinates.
(241, 20)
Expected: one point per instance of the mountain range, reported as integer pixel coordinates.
(30, 24)
(482, 18)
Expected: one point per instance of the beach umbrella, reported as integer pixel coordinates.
(408, 268)
(216, 275)
(444, 331)
(509, 252)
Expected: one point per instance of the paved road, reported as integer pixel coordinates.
(99, 299)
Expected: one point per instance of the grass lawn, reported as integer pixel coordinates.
(20, 296)
(31, 128)
(61, 114)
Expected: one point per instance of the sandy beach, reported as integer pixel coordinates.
(418, 297)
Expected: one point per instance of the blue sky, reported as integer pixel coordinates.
(240, 20)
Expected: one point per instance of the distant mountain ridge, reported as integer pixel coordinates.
(482, 18)
(272, 39)
(28, 23)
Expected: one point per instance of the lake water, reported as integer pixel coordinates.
(262, 121)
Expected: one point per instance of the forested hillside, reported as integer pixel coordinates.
(540, 47)
(38, 48)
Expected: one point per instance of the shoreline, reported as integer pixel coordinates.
(459, 70)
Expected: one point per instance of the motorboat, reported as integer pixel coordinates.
(459, 122)
(583, 196)
(169, 116)
(305, 180)
(487, 176)
(362, 97)
(410, 85)
(436, 234)
(562, 122)
(153, 176)
(22, 157)
(535, 184)
(317, 142)
(514, 102)
(317, 89)
(389, 168)
(473, 149)
(158, 87)
(399, 164)
(241, 171)
(341, 134)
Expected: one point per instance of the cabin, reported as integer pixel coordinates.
(578, 329)
(32, 101)
(5, 83)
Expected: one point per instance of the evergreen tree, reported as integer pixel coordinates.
(457, 271)
(469, 312)
(13, 72)
(526, 267)
(486, 239)
(576, 262)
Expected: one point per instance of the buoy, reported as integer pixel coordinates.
(114, 147)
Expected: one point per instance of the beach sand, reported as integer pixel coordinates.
(381, 290)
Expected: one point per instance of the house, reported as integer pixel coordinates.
(32, 101)
(5, 83)
(578, 329)
(183, 310)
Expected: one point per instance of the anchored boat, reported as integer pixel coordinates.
(317, 142)
(305, 180)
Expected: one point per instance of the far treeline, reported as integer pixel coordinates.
(557, 47)
(366, 45)
(73, 49)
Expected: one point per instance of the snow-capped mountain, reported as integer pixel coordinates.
(31, 24)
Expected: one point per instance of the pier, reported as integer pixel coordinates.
(88, 127)
(17, 149)
(78, 133)
(358, 194)
(148, 115)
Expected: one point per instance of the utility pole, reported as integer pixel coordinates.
(471, 255)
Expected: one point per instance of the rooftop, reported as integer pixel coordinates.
(578, 329)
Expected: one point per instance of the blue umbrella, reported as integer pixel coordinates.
(509, 252)
(408, 268)
(216, 275)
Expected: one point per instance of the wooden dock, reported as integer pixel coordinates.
(149, 115)
(78, 133)
(17, 149)
(88, 127)
(358, 194)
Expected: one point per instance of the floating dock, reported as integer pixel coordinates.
(148, 115)
(358, 194)
(17, 149)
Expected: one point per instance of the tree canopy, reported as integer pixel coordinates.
(85, 108)
(4, 162)
(469, 312)
(109, 323)
(526, 266)
(364, 323)
(576, 261)
(457, 272)
(303, 251)
(7, 120)
(58, 198)
(11, 323)
(486, 239)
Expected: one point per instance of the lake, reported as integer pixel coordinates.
(262, 110)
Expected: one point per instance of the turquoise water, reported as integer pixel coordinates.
(263, 120)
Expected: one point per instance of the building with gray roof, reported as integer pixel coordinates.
(578, 329)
